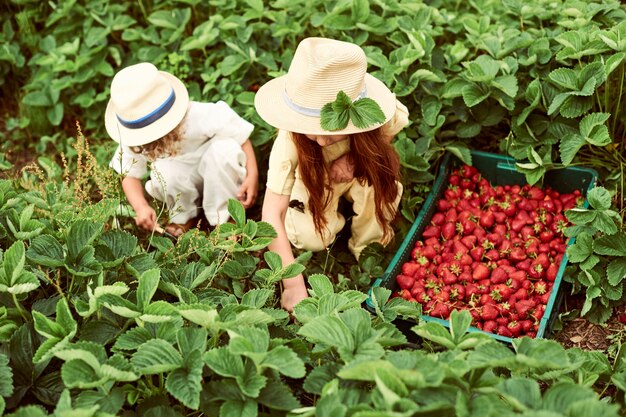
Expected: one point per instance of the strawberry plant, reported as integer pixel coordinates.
(599, 253)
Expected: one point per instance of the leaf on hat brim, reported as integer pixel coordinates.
(333, 116)
(342, 102)
(366, 112)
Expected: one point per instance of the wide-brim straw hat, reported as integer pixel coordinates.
(319, 70)
(145, 105)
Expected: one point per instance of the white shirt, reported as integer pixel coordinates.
(204, 122)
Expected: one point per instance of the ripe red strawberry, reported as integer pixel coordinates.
(504, 331)
(431, 231)
(524, 307)
(443, 205)
(440, 310)
(535, 193)
(540, 287)
(498, 276)
(552, 272)
(499, 216)
(517, 254)
(410, 268)
(477, 253)
(448, 230)
(487, 219)
(489, 312)
(536, 270)
(490, 326)
(481, 271)
(405, 282)
(437, 219)
(502, 290)
(515, 327)
(518, 275)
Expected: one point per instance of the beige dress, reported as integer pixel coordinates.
(284, 178)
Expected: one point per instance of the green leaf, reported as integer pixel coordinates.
(436, 333)
(365, 112)
(616, 271)
(131, 339)
(581, 216)
(320, 284)
(156, 356)
(223, 362)
(611, 245)
(565, 394)
(569, 146)
(336, 115)
(524, 391)
(581, 249)
(274, 261)
(81, 234)
(599, 198)
(256, 298)
(237, 212)
(276, 395)
(185, 384)
(239, 408)
(285, 361)
(591, 121)
(459, 323)
(29, 411)
(330, 331)
(148, 284)
(461, 151)
(507, 84)
(564, 77)
(605, 223)
(6, 376)
(46, 250)
(251, 382)
(474, 94)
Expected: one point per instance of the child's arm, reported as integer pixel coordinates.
(146, 216)
(249, 188)
(274, 211)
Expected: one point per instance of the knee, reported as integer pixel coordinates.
(301, 232)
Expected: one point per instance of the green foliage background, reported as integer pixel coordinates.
(96, 321)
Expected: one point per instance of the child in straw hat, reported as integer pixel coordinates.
(199, 153)
(335, 124)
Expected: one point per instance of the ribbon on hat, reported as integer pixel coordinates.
(151, 117)
(307, 111)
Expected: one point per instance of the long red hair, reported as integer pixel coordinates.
(376, 163)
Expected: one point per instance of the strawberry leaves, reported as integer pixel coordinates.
(363, 113)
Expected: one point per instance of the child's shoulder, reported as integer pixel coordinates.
(203, 108)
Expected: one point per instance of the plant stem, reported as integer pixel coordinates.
(19, 307)
(616, 113)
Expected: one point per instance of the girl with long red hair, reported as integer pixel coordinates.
(336, 123)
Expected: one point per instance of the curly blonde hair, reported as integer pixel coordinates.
(166, 146)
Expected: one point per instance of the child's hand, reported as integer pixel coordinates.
(248, 191)
(146, 217)
(341, 169)
(292, 296)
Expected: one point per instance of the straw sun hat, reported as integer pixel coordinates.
(145, 104)
(319, 70)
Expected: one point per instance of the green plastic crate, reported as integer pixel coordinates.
(498, 170)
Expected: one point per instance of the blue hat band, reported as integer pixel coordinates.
(152, 116)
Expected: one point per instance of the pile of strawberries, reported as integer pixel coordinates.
(494, 251)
